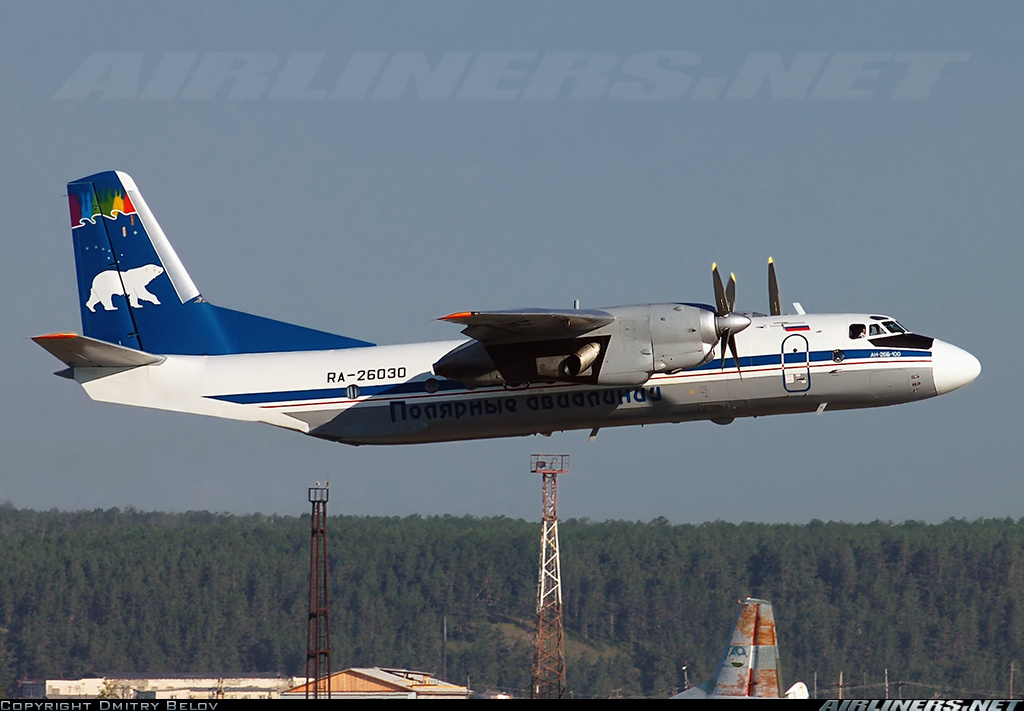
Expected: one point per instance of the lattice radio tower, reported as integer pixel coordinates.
(548, 677)
(318, 640)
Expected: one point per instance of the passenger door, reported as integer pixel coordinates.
(796, 364)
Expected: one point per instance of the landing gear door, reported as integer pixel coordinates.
(796, 364)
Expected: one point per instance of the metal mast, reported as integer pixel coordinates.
(318, 640)
(548, 677)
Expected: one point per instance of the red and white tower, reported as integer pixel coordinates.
(548, 677)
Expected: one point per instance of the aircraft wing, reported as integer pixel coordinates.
(498, 327)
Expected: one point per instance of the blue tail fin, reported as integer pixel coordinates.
(135, 292)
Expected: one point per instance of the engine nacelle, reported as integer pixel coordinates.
(656, 338)
(683, 336)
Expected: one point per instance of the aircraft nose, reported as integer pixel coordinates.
(952, 367)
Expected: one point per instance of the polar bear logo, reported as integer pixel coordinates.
(107, 284)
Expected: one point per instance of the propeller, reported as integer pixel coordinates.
(727, 323)
(774, 303)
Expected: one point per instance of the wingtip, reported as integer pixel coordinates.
(456, 316)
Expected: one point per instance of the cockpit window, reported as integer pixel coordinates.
(894, 327)
(875, 330)
(857, 330)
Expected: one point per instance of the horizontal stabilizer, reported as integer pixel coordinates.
(84, 352)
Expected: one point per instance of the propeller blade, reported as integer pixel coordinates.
(729, 338)
(774, 302)
(721, 304)
(727, 323)
(735, 354)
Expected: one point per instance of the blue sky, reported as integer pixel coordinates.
(874, 150)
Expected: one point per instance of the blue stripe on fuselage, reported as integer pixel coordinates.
(814, 357)
(335, 393)
(419, 386)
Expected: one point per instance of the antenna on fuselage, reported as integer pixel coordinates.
(774, 302)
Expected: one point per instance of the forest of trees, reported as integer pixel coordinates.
(941, 607)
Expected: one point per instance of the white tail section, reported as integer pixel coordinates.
(180, 280)
(750, 663)
(749, 667)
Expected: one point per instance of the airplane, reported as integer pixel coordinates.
(150, 339)
(750, 666)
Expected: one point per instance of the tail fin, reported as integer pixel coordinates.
(135, 292)
(750, 662)
(749, 666)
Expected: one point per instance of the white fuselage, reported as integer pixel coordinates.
(389, 394)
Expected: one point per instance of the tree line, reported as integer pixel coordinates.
(92, 593)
